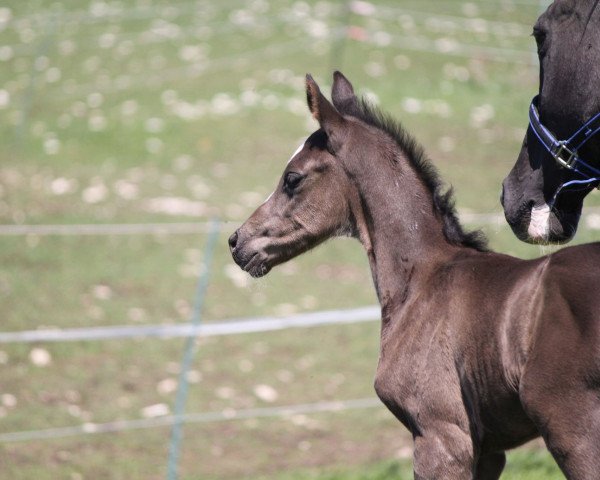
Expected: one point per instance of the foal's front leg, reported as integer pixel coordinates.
(444, 453)
(490, 466)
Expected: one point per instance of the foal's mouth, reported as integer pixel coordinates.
(255, 265)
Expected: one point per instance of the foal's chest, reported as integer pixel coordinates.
(416, 376)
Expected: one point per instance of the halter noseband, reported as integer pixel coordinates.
(564, 152)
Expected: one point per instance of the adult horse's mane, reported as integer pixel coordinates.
(443, 199)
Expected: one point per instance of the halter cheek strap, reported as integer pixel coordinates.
(564, 152)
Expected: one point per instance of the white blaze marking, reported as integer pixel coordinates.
(298, 150)
(269, 197)
(539, 226)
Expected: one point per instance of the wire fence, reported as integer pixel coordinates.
(204, 417)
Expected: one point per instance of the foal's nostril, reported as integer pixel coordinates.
(233, 240)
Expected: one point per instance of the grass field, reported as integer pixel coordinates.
(136, 112)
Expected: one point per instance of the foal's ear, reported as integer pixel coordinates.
(342, 94)
(325, 113)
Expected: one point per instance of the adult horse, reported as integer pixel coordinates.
(559, 162)
(480, 352)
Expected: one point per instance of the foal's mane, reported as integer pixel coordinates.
(443, 199)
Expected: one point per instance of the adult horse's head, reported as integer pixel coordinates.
(543, 194)
(313, 199)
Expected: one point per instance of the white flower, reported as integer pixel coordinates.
(53, 74)
(154, 145)
(155, 125)
(97, 122)
(592, 221)
(412, 105)
(51, 146)
(126, 190)
(193, 376)
(102, 292)
(224, 104)
(156, 410)
(8, 400)
(95, 193)
(4, 99)
(166, 386)
(482, 114)
(107, 40)
(5, 16)
(6, 53)
(129, 107)
(365, 9)
(62, 185)
(245, 365)
(40, 357)
(176, 206)
(94, 100)
(266, 393)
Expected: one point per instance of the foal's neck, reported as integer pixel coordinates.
(398, 226)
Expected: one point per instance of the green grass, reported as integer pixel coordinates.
(522, 465)
(114, 118)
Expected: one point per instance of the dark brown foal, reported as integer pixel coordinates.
(480, 352)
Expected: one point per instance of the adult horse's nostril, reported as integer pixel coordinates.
(233, 240)
(502, 195)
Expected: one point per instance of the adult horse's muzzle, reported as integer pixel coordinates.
(543, 194)
(532, 218)
(538, 223)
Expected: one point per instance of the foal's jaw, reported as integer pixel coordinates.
(307, 208)
(263, 242)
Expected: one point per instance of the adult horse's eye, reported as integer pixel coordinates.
(291, 181)
(540, 38)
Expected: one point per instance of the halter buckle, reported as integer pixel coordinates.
(564, 156)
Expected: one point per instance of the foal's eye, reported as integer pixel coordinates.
(292, 180)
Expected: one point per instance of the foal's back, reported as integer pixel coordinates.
(558, 293)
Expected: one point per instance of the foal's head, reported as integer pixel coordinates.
(358, 169)
(313, 198)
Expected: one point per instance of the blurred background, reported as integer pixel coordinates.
(127, 127)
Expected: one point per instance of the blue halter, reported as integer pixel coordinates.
(564, 152)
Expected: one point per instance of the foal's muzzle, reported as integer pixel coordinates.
(248, 259)
(233, 241)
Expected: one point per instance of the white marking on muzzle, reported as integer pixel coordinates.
(539, 225)
(298, 150)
